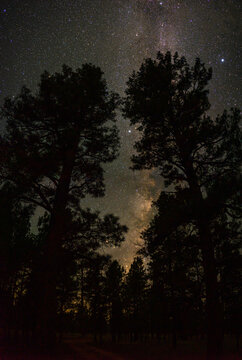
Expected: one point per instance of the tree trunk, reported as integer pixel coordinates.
(46, 319)
(213, 304)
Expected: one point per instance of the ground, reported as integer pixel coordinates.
(76, 348)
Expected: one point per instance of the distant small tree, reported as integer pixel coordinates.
(158, 304)
(135, 299)
(114, 286)
(227, 238)
(176, 280)
(96, 295)
(198, 157)
(16, 253)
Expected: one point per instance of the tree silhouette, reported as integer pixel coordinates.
(226, 231)
(158, 302)
(175, 274)
(96, 295)
(198, 157)
(113, 288)
(53, 150)
(16, 252)
(135, 299)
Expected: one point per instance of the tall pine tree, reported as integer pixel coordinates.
(53, 149)
(199, 157)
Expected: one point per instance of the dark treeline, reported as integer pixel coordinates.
(53, 279)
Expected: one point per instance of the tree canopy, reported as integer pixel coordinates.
(199, 158)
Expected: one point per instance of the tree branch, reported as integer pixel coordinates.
(36, 202)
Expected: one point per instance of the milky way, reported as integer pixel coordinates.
(117, 35)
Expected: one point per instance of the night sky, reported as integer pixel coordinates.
(38, 35)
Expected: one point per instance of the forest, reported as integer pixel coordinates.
(184, 285)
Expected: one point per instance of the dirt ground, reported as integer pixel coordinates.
(186, 350)
(76, 348)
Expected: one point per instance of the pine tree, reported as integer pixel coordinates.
(135, 295)
(16, 253)
(175, 274)
(113, 288)
(53, 149)
(96, 294)
(198, 157)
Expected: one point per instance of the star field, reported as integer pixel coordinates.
(117, 35)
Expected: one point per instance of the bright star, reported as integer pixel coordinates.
(129, 131)
(222, 60)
